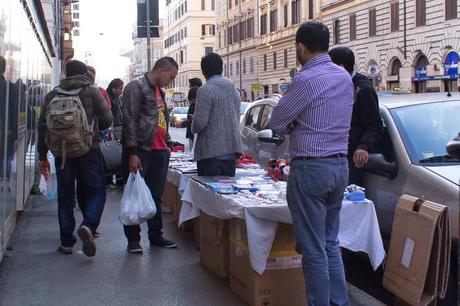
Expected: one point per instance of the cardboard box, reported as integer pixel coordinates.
(282, 283)
(169, 197)
(417, 267)
(214, 244)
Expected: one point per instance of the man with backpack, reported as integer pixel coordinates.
(69, 124)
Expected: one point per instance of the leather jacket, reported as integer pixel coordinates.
(140, 115)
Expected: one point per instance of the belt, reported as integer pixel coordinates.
(338, 155)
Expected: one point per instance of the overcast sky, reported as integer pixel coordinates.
(115, 19)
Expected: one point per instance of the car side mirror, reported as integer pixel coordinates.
(270, 136)
(453, 147)
(377, 164)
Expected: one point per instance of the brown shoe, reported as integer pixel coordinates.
(89, 245)
(65, 250)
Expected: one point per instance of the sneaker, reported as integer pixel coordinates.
(89, 245)
(162, 242)
(65, 250)
(135, 248)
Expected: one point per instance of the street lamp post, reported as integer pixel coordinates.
(149, 47)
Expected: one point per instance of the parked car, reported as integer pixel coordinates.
(410, 158)
(177, 116)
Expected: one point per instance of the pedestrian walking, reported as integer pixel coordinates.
(114, 91)
(145, 143)
(316, 111)
(91, 74)
(216, 121)
(191, 111)
(195, 82)
(366, 124)
(69, 124)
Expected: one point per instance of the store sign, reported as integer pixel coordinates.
(256, 86)
(178, 97)
(451, 64)
(420, 71)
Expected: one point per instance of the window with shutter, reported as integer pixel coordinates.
(263, 24)
(420, 13)
(274, 61)
(286, 16)
(285, 58)
(310, 9)
(273, 20)
(372, 22)
(265, 62)
(203, 5)
(353, 27)
(395, 16)
(451, 9)
(336, 31)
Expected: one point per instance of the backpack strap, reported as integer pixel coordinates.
(73, 92)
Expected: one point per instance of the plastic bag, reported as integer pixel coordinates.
(48, 185)
(137, 204)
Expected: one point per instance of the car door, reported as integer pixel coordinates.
(384, 191)
(250, 129)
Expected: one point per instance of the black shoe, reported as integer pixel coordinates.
(162, 242)
(89, 245)
(135, 248)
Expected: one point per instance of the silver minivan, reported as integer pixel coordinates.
(410, 158)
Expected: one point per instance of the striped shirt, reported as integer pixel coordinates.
(319, 102)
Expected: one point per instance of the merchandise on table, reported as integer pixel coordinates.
(355, 193)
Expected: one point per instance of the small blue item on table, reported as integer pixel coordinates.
(355, 193)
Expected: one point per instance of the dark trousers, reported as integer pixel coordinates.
(88, 172)
(216, 167)
(355, 174)
(154, 170)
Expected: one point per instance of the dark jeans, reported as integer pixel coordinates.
(88, 172)
(356, 175)
(154, 170)
(216, 167)
(314, 193)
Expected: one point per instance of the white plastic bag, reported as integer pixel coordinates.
(137, 204)
(48, 185)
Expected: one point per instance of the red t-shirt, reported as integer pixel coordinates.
(159, 141)
(106, 97)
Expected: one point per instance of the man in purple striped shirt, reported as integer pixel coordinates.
(316, 113)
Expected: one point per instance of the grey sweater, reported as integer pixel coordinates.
(217, 119)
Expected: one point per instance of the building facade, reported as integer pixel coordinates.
(237, 23)
(400, 45)
(139, 55)
(256, 38)
(189, 34)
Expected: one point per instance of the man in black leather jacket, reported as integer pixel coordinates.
(366, 124)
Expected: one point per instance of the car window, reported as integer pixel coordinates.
(253, 117)
(266, 116)
(384, 145)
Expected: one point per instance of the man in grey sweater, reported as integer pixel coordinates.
(216, 121)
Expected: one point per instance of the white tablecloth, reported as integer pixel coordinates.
(359, 228)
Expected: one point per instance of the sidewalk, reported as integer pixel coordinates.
(34, 273)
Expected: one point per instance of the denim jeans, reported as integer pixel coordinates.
(314, 193)
(154, 170)
(88, 173)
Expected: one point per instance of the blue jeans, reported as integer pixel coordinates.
(314, 193)
(88, 173)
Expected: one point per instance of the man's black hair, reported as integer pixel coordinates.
(195, 82)
(74, 67)
(343, 56)
(212, 64)
(314, 36)
(2, 65)
(166, 63)
(192, 93)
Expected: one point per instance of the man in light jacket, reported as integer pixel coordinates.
(216, 121)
